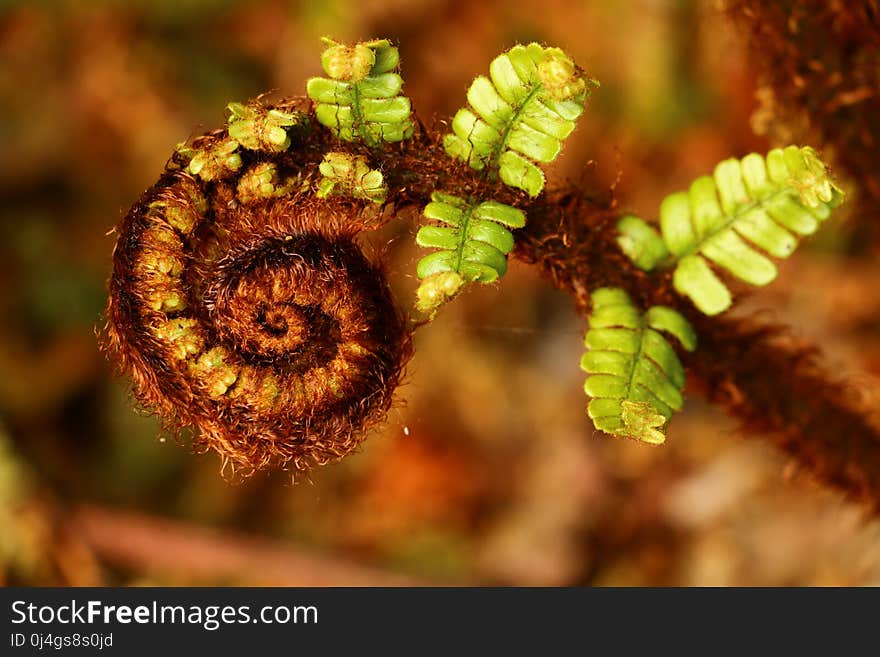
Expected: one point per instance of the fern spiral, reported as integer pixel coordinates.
(241, 305)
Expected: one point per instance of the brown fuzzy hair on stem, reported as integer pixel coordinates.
(777, 386)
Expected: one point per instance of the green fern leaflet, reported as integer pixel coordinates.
(636, 378)
(754, 202)
(520, 116)
(473, 246)
(361, 100)
(350, 175)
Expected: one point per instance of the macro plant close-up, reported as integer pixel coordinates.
(458, 294)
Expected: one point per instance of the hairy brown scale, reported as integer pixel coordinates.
(252, 314)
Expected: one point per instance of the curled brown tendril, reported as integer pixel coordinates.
(241, 305)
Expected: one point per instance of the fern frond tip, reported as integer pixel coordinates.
(259, 129)
(350, 175)
(355, 63)
(810, 177)
(437, 290)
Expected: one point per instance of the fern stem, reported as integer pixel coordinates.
(502, 145)
(726, 225)
(776, 385)
(356, 113)
(459, 250)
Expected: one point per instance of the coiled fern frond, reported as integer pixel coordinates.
(473, 245)
(521, 115)
(770, 202)
(243, 306)
(248, 302)
(361, 100)
(636, 378)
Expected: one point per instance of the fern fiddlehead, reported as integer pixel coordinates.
(768, 201)
(241, 305)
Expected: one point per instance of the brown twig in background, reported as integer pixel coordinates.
(166, 548)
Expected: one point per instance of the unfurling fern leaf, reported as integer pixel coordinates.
(361, 101)
(769, 202)
(473, 245)
(350, 175)
(636, 378)
(260, 129)
(521, 115)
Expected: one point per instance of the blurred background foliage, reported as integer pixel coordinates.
(488, 470)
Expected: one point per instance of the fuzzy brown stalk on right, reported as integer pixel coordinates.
(779, 387)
